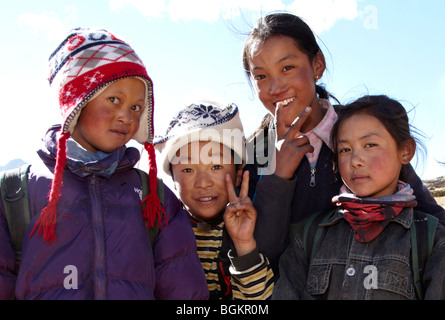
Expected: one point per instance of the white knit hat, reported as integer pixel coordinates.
(203, 121)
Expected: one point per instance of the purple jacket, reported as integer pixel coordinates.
(102, 249)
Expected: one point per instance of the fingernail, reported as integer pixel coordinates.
(308, 109)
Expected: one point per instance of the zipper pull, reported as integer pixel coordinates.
(312, 183)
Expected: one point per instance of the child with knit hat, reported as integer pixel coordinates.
(203, 151)
(87, 211)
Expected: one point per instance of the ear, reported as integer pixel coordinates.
(407, 151)
(239, 176)
(318, 64)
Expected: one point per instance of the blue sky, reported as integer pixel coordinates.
(192, 49)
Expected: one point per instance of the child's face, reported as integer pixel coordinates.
(281, 72)
(110, 120)
(199, 171)
(369, 159)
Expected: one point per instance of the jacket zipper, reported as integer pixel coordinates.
(100, 281)
(312, 183)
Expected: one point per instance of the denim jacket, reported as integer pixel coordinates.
(343, 268)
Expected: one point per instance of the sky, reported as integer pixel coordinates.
(192, 50)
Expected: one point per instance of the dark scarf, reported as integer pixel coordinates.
(369, 216)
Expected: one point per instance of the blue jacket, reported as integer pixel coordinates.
(102, 244)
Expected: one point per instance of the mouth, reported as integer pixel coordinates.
(120, 131)
(206, 200)
(285, 102)
(359, 178)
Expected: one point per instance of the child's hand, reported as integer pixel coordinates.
(240, 216)
(291, 144)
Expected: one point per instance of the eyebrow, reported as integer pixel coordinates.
(370, 134)
(289, 56)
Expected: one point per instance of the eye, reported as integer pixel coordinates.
(344, 150)
(370, 145)
(287, 68)
(187, 170)
(259, 77)
(114, 100)
(136, 108)
(217, 167)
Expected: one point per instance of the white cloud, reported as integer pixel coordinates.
(148, 8)
(321, 15)
(50, 23)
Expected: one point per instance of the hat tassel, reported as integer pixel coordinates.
(48, 216)
(151, 204)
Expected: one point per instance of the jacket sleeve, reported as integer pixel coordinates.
(293, 272)
(7, 259)
(252, 276)
(434, 276)
(272, 200)
(425, 201)
(179, 273)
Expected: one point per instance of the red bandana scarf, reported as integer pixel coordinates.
(369, 216)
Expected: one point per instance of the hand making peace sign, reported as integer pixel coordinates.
(291, 144)
(240, 216)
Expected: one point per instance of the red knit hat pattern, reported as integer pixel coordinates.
(84, 63)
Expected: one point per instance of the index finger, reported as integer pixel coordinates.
(295, 128)
(279, 121)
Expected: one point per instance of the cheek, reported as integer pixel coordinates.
(343, 166)
(134, 127)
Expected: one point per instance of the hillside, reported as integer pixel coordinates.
(437, 189)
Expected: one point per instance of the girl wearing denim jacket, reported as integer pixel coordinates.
(364, 248)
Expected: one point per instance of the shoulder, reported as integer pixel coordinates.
(172, 205)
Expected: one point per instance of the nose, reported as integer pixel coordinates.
(357, 160)
(203, 180)
(277, 86)
(124, 116)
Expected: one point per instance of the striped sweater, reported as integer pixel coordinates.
(249, 277)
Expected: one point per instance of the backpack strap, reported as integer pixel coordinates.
(152, 232)
(423, 229)
(312, 231)
(14, 191)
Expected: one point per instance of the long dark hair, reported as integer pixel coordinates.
(282, 24)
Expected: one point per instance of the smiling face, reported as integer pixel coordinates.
(281, 72)
(199, 171)
(369, 159)
(110, 120)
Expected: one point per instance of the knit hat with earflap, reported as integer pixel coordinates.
(81, 67)
(203, 121)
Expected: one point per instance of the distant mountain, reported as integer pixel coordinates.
(13, 164)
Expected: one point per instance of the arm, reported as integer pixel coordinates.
(293, 272)
(273, 201)
(249, 269)
(274, 192)
(434, 277)
(179, 273)
(425, 201)
(7, 260)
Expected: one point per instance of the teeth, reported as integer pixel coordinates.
(205, 199)
(287, 101)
